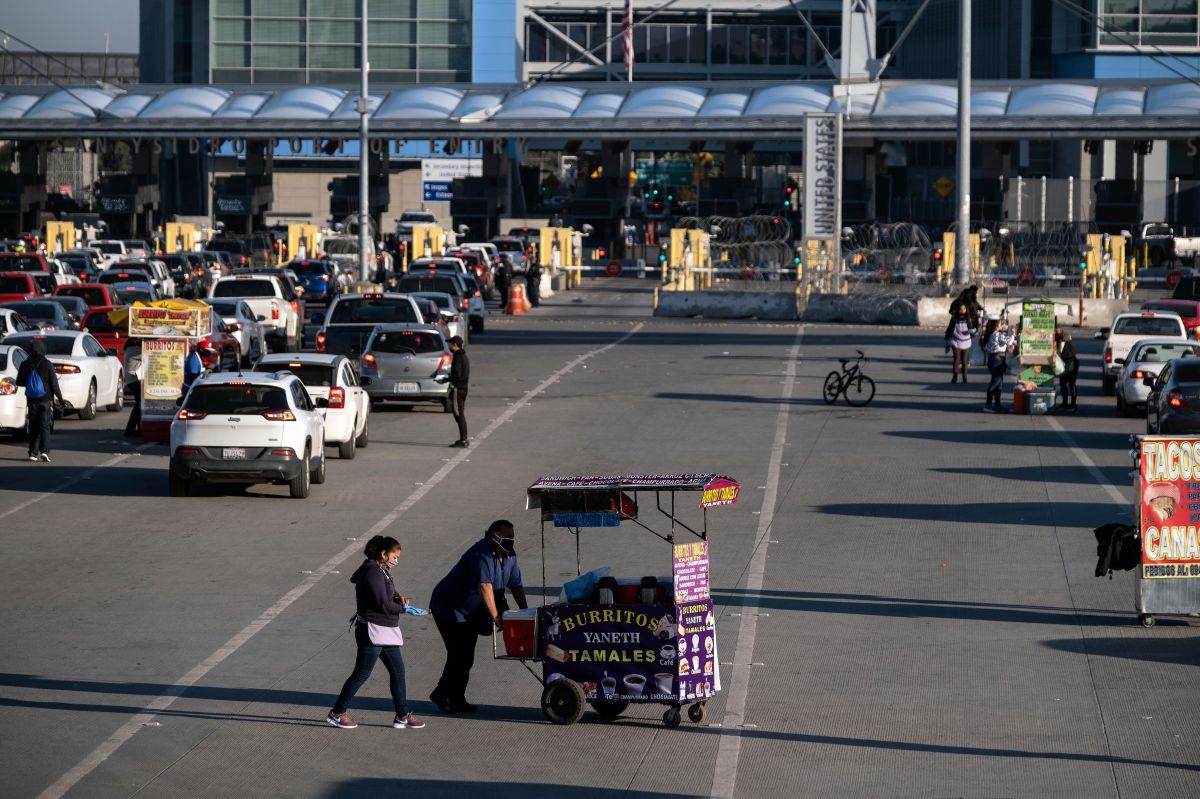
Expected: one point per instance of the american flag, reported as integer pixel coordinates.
(627, 34)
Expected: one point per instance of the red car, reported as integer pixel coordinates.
(99, 295)
(23, 262)
(17, 286)
(479, 265)
(110, 336)
(219, 350)
(1188, 310)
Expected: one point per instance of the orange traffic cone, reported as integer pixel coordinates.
(517, 301)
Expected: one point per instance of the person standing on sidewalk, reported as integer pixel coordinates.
(533, 281)
(1070, 373)
(460, 379)
(376, 625)
(36, 375)
(995, 347)
(958, 338)
(467, 603)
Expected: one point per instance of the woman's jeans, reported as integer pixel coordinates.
(368, 653)
(996, 366)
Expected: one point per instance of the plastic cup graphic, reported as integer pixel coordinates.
(634, 684)
(665, 682)
(667, 652)
(695, 664)
(608, 685)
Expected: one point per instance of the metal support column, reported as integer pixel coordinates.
(364, 169)
(962, 253)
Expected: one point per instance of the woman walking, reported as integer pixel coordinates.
(1070, 373)
(377, 632)
(958, 338)
(996, 341)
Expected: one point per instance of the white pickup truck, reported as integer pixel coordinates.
(1127, 329)
(268, 299)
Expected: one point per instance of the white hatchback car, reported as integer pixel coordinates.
(253, 427)
(12, 396)
(333, 379)
(88, 374)
(1146, 358)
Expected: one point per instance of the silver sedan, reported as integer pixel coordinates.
(1146, 358)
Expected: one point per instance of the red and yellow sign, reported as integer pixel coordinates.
(1169, 506)
(721, 491)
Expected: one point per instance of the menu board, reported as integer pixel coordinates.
(163, 381)
(1037, 333)
(696, 646)
(1169, 505)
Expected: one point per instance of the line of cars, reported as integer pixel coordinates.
(1151, 363)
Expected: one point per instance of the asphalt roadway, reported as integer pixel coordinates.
(907, 606)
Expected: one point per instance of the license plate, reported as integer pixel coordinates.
(234, 453)
(405, 388)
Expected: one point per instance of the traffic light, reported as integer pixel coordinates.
(796, 257)
(1083, 261)
(935, 257)
(662, 254)
(789, 196)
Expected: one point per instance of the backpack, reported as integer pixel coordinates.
(35, 389)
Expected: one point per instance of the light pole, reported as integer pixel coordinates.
(364, 195)
(962, 256)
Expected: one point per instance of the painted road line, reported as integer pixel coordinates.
(174, 691)
(728, 752)
(1113, 492)
(84, 475)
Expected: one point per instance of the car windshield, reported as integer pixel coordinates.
(224, 308)
(509, 246)
(239, 399)
(340, 246)
(1186, 372)
(55, 345)
(92, 296)
(309, 268)
(1148, 326)
(438, 283)
(1161, 353)
(14, 285)
(108, 247)
(98, 322)
(442, 300)
(309, 374)
(132, 292)
(412, 217)
(21, 263)
(408, 341)
(244, 288)
(76, 264)
(36, 310)
(124, 277)
(342, 341)
(373, 311)
(1172, 307)
(225, 245)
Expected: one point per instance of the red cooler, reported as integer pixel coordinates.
(520, 632)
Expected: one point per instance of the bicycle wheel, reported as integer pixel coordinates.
(860, 391)
(833, 387)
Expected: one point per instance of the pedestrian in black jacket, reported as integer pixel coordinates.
(504, 278)
(40, 410)
(533, 280)
(460, 379)
(376, 626)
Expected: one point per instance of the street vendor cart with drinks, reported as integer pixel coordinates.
(613, 641)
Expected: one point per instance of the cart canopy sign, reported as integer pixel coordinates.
(1170, 507)
(168, 322)
(722, 491)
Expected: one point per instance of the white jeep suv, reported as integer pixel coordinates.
(248, 428)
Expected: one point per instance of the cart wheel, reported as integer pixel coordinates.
(670, 716)
(697, 712)
(609, 710)
(563, 701)
(1146, 619)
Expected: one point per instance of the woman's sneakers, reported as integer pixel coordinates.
(340, 720)
(407, 722)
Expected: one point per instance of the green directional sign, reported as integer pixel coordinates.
(669, 172)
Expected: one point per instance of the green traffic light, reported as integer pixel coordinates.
(656, 192)
(670, 197)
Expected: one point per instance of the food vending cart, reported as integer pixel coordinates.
(1034, 392)
(609, 641)
(1168, 520)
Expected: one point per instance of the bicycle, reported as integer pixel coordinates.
(850, 383)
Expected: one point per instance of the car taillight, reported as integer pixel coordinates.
(284, 453)
(325, 278)
(186, 415)
(1175, 399)
(296, 306)
(1108, 356)
(7, 387)
(320, 342)
(66, 369)
(187, 451)
(466, 304)
(274, 312)
(369, 360)
(444, 362)
(198, 272)
(337, 397)
(279, 416)
(234, 326)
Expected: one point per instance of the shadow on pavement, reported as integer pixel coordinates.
(1180, 651)
(896, 607)
(875, 404)
(455, 789)
(1039, 474)
(981, 513)
(121, 481)
(1085, 440)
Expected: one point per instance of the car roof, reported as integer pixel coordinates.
(432, 294)
(1162, 340)
(1125, 314)
(258, 378)
(49, 334)
(370, 295)
(311, 358)
(387, 327)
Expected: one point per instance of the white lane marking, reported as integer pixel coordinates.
(725, 771)
(85, 475)
(1083, 458)
(174, 691)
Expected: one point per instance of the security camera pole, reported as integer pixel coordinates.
(364, 196)
(962, 256)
